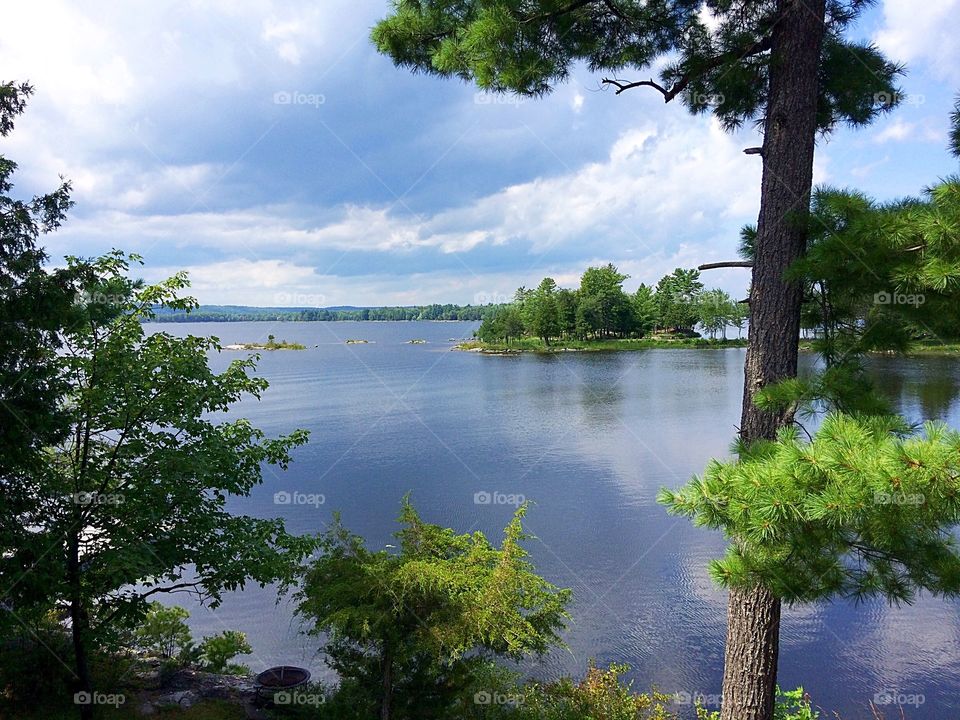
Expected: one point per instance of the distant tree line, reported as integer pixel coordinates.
(600, 308)
(227, 313)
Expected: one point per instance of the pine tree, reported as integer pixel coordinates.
(782, 63)
(865, 508)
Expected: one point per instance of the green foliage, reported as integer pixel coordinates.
(27, 674)
(242, 313)
(600, 309)
(716, 310)
(865, 508)
(542, 313)
(36, 304)
(405, 629)
(526, 48)
(610, 308)
(216, 652)
(678, 297)
(644, 309)
(601, 694)
(791, 705)
(163, 630)
(135, 495)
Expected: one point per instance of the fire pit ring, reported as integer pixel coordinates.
(280, 678)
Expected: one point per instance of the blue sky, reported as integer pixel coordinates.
(265, 147)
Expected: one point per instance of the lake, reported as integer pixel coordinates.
(588, 438)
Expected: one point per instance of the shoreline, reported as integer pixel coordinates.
(528, 346)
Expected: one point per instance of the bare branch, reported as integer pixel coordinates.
(621, 86)
(762, 45)
(731, 264)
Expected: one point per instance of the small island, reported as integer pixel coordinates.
(358, 342)
(271, 344)
(417, 341)
(656, 342)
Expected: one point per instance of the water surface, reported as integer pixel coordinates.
(589, 438)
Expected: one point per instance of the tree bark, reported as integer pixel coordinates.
(80, 624)
(386, 699)
(753, 614)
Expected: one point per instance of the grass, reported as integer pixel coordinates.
(536, 345)
(935, 347)
(921, 347)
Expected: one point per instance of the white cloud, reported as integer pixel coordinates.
(663, 198)
(896, 131)
(923, 32)
(655, 186)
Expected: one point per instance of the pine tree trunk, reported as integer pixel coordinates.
(753, 614)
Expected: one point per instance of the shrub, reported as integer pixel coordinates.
(601, 695)
(791, 705)
(216, 652)
(163, 631)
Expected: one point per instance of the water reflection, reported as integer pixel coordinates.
(589, 439)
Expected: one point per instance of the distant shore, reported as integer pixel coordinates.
(532, 345)
(535, 345)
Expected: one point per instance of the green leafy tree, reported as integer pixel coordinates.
(589, 317)
(567, 301)
(611, 309)
(137, 491)
(740, 316)
(35, 306)
(645, 310)
(504, 325)
(542, 312)
(405, 628)
(783, 64)
(715, 309)
(164, 630)
(216, 652)
(678, 298)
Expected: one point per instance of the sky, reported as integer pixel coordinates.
(265, 147)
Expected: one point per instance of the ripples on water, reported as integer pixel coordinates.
(589, 438)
